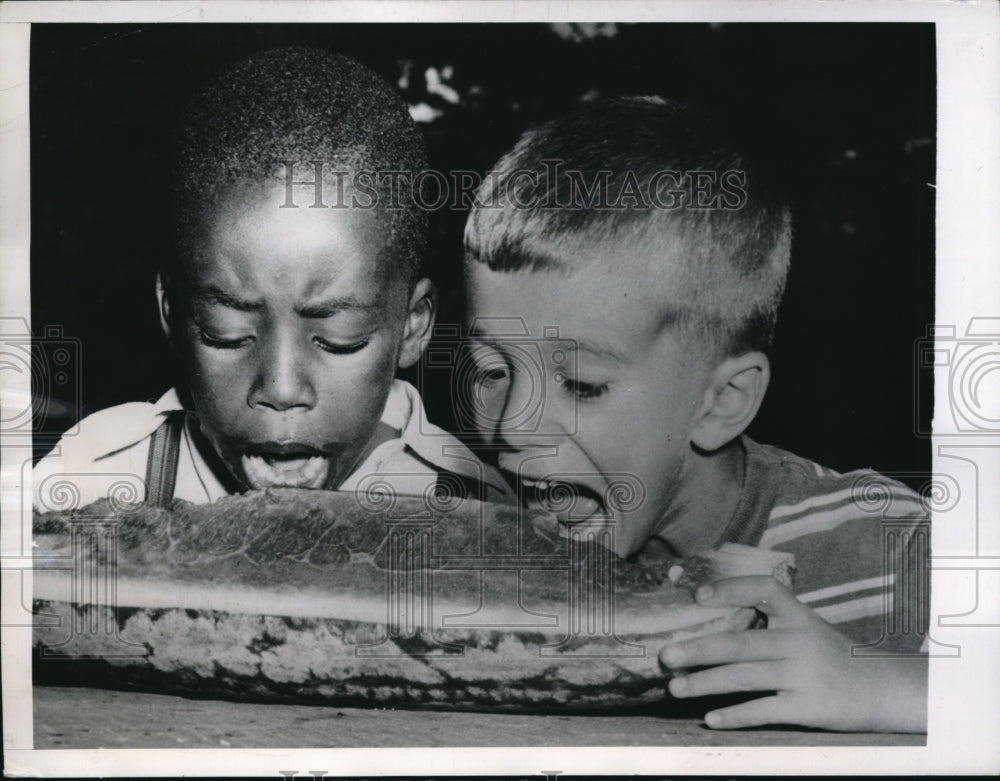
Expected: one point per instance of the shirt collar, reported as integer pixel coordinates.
(167, 403)
(404, 411)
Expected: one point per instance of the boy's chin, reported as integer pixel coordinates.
(303, 472)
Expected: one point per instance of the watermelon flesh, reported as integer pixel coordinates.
(297, 595)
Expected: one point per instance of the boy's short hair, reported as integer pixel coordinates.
(300, 104)
(721, 269)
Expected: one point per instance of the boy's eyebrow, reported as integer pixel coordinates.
(333, 306)
(597, 350)
(574, 345)
(215, 295)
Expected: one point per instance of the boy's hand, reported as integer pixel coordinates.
(803, 663)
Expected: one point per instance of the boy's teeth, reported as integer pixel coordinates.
(568, 503)
(309, 472)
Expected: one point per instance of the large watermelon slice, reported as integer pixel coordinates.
(289, 594)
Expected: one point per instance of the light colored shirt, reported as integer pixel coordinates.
(107, 457)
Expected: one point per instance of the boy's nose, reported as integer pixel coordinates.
(283, 383)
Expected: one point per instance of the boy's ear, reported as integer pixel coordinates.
(419, 320)
(732, 399)
(163, 303)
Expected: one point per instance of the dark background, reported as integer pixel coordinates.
(846, 111)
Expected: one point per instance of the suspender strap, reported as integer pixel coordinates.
(161, 466)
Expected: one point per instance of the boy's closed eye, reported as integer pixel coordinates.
(343, 334)
(348, 347)
(492, 377)
(493, 370)
(489, 367)
(584, 391)
(334, 347)
(223, 343)
(224, 329)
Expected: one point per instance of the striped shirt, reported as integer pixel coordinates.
(861, 543)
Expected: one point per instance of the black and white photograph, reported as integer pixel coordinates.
(604, 394)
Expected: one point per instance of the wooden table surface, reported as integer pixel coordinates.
(77, 717)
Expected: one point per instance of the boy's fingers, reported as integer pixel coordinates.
(766, 710)
(728, 678)
(758, 591)
(724, 647)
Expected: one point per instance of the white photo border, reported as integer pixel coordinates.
(964, 699)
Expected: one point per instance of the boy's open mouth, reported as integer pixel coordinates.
(291, 465)
(569, 502)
